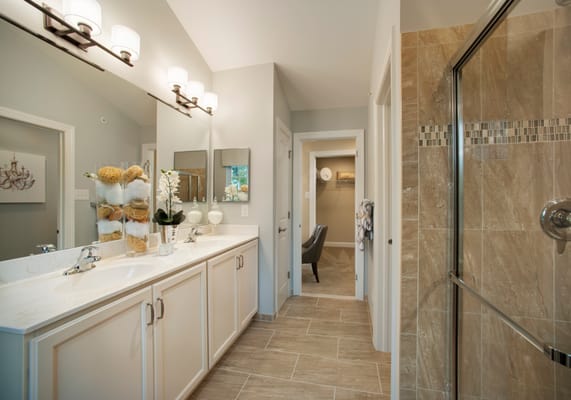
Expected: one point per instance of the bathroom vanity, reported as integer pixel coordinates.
(145, 327)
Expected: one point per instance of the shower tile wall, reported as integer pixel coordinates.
(517, 157)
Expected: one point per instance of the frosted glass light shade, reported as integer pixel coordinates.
(86, 12)
(194, 89)
(125, 39)
(210, 101)
(177, 76)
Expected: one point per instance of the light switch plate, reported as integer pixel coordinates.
(244, 210)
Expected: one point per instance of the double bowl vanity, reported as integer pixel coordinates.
(146, 327)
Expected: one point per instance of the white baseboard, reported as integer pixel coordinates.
(339, 244)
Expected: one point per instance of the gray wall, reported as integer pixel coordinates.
(24, 225)
(329, 119)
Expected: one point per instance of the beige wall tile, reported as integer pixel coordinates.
(563, 374)
(409, 75)
(424, 394)
(432, 270)
(409, 304)
(517, 273)
(408, 361)
(473, 187)
(410, 132)
(530, 75)
(494, 78)
(341, 394)
(409, 249)
(409, 39)
(472, 272)
(357, 376)
(562, 169)
(433, 187)
(406, 394)
(270, 363)
(454, 34)
(220, 385)
(471, 90)
(562, 66)
(563, 285)
(562, 16)
(518, 181)
(511, 367)
(315, 345)
(410, 191)
(530, 22)
(431, 353)
(470, 344)
(261, 388)
(356, 350)
(434, 84)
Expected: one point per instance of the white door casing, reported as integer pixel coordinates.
(299, 138)
(283, 213)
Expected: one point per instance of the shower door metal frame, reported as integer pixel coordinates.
(494, 15)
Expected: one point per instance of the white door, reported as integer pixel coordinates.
(106, 354)
(181, 354)
(283, 213)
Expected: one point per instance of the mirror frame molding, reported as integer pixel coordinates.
(66, 207)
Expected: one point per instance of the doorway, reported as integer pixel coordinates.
(346, 140)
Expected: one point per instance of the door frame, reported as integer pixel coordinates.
(298, 139)
(66, 206)
(281, 126)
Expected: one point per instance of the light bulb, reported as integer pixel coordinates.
(83, 14)
(210, 101)
(177, 76)
(194, 89)
(125, 42)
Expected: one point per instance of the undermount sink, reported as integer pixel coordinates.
(106, 275)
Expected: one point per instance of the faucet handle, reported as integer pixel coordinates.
(89, 249)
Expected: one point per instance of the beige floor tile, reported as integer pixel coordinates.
(220, 385)
(256, 338)
(301, 300)
(329, 314)
(340, 329)
(262, 388)
(341, 394)
(358, 376)
(292, 326)
(315, 345)
(356, 350)
(342, 304)
(263, 362)
(336, 273)
(358, 317)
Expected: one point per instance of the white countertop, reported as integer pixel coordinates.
(29, 304)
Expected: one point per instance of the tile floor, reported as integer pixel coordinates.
(336, 270)
(318, 348)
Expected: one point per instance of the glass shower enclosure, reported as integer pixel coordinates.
(511, 263)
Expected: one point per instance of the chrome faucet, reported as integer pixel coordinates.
(192, 234)
(84, 262)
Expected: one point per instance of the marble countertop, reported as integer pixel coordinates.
(30, 304)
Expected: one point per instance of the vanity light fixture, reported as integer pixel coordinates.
(81, 20)
(190, 93)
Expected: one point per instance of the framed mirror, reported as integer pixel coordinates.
(232, 175)
(192, 171)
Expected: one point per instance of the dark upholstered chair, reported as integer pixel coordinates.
(311, 249)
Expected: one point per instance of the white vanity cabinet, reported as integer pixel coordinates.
(105, 354)
(150, 344)
(232, 296)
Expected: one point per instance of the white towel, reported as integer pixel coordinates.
(364, 223)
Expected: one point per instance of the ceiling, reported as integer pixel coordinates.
(323, 48)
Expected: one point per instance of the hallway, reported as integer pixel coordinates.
(318, 348)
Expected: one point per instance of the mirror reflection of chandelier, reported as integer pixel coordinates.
(14, 178)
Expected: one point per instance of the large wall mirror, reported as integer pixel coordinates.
(113, 122)
(232, 175)
(192, 168)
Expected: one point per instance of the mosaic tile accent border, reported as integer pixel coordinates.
(499, 132)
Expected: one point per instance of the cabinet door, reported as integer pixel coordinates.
(222, 304)
(248, 284)
(105, 354)
(180, 333)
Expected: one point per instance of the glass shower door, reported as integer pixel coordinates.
(513, 280)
